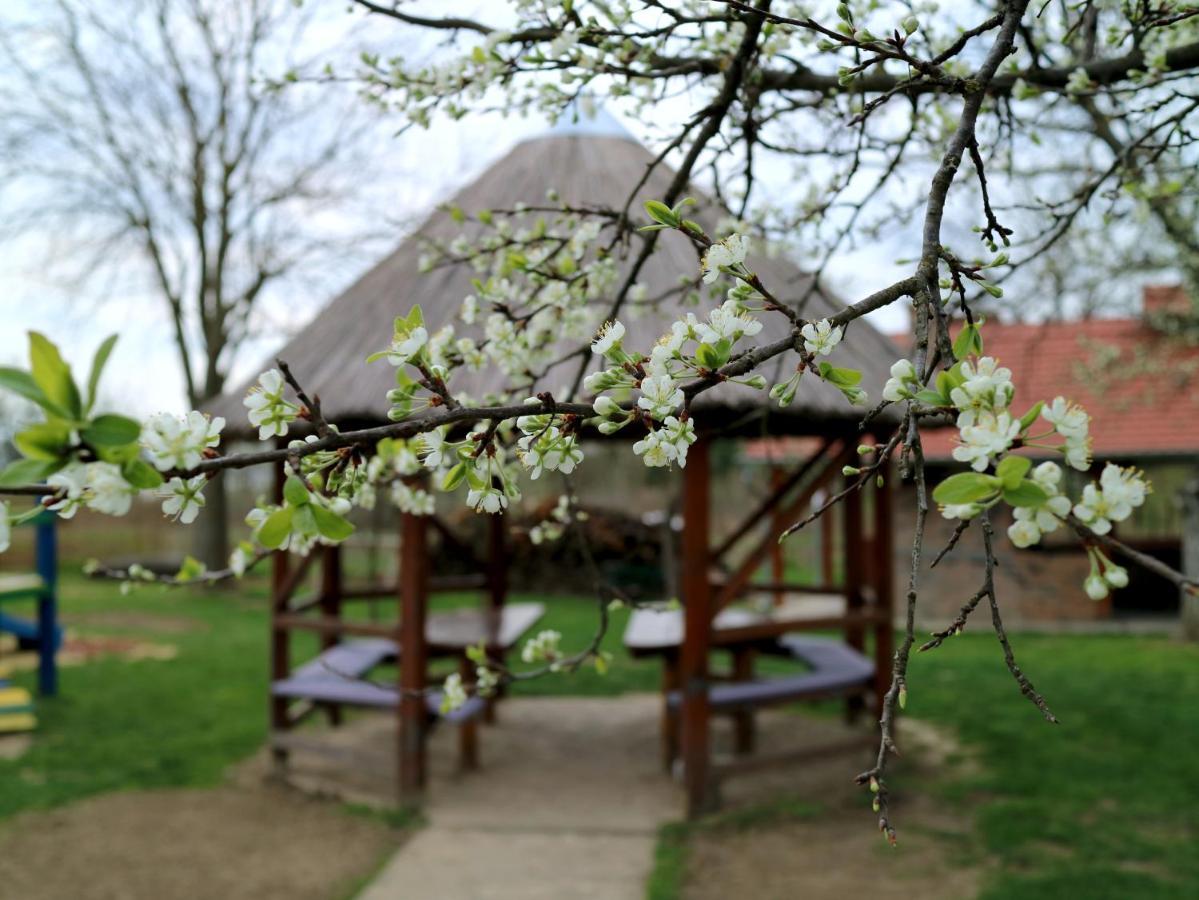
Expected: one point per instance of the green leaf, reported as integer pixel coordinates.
(968, 342)
(98, 362)
(46, 440)
(374, 357)
(276, 528)
(945, 385)
(330, 524)
(294, 492)
(111, 431)
(141, 474)
(1029, 417)
(932, 398)
(966, 487)
(1011, 470)
(841, 378)
(454, 477)
(1026, 493)
(191, 569)
(661, 213)
(53, 375)
(21, 382)
(28, 471)
(416, 318)
(708, 357)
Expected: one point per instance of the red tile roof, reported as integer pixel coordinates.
(1139, 387)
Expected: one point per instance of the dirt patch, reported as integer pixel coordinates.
(124, 620)
(80, 649)
(226, 843)
(835, 852)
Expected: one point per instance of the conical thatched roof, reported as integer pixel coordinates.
(586, 165)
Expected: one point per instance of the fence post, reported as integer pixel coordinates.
(1188, 603)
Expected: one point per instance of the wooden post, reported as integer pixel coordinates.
(884, 586)
(330, 603)
(1188, 602)
(280, 644)
(744, 736)
(828, 524)
(412, 715)
(855, 559)
(497, 590)
(778, 569)
(697, 601)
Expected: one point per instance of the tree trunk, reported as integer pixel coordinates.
(1188, 602)
(211, 538)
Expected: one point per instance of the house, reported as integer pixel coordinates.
(1139, 385)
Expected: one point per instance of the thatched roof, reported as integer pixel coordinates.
(586, 165)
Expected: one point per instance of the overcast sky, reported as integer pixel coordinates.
(144, 370)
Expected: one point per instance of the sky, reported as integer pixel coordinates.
(143, 371)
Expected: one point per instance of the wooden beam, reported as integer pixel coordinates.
(741, 578)
(856, 557)
(326, 625)
(697, 628)
(497, 589)
(775, 498)
(330, 605)
(412, 714)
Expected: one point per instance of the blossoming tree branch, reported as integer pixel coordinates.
(883, 87)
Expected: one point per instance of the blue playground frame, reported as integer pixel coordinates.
(44, 633)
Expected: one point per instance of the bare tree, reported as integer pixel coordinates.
(152, 141)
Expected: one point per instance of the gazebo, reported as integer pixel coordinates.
(594, 162)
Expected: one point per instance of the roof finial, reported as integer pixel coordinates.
(582, 116)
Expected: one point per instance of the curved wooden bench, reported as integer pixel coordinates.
(834, 667)
(334, 676)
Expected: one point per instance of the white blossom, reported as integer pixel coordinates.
(542, 648)
(240, 559)
(728, 322)
(432, 448)
(660, 396)
(412, 500)
(69, 482)
(405, 346)
(608, 338)
(903, 383)
(988, 388)
(1033, 521)
(990, 435)
(1069, 420)
(107, 491)
(179, 442)
(727, 254)
(453, 694)
(1119, 492)
(820, 338)
(183, 499)
(267, 409)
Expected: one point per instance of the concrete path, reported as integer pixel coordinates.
(568, 799)
(567, 804)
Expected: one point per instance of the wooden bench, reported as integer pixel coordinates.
(335, 677)
(834, 668)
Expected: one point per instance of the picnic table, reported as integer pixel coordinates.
(744, 632)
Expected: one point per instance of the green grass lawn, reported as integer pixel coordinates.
(1104, 805)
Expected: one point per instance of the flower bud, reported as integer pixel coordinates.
(1116, 576)
(1095, 587)
(605, 406)
(850, 470)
